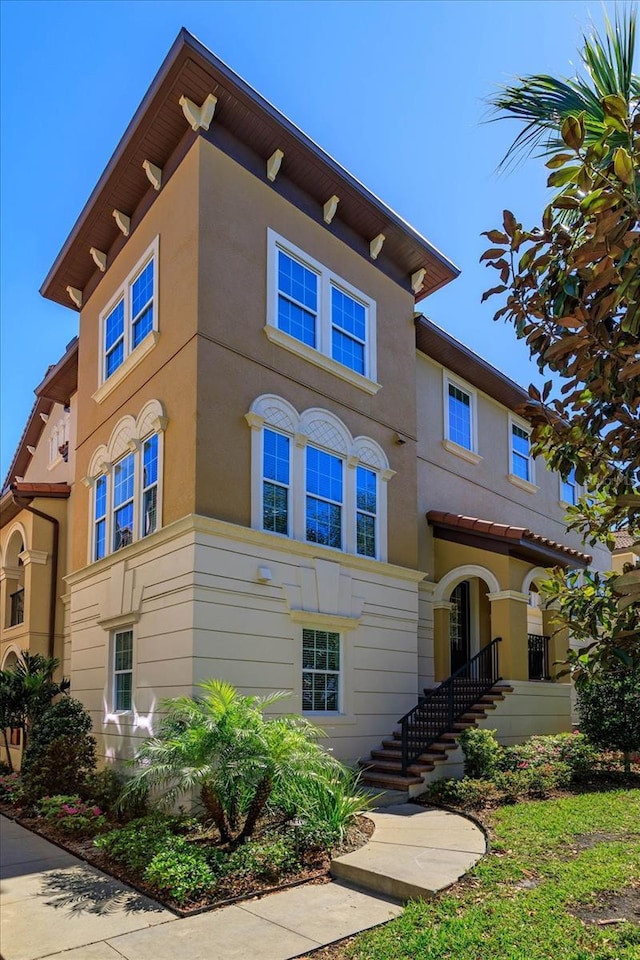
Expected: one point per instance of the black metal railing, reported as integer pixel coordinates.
(441, 707)
(16, 613)
(538, 656)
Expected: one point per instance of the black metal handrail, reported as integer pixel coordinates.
(538, 645)
(441, 707)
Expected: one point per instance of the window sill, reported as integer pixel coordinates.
(461, 452)
(525, 485)
(127, 366)
(320, 360)
(328, 720)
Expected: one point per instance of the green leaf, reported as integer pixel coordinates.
(559, 160)
(572, 131)
(623, 166)
(616, 111)
(561, 177)
(496, 236)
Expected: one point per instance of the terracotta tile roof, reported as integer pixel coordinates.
(624, 540)
(508, 535)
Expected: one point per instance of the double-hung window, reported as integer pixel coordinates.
(123, 496)
(275, 484)
(320, 671)
(319, 315)
(323, 514)
(129, 318)
(521, 471)
(569, 488)
(123, 671)
(314, 482)
(100, 518)
(460, 419)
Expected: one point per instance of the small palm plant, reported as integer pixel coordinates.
(220, 745)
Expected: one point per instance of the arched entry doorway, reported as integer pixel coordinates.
(464, 626)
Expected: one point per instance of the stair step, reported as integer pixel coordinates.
(389, 781)
(429, 756)
(416, 769)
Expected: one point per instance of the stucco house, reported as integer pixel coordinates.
(282, 473)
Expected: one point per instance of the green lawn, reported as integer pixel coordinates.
(516, 903)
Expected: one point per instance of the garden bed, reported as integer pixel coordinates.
(309, 865)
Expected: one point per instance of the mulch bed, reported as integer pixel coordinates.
(314, 867)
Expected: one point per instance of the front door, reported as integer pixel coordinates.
(459, 619)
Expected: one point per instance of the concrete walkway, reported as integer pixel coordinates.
(54, 905)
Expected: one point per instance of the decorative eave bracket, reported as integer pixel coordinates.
(198, 117)
(154, 174)
(330, 207)
(273, 164)
(99, 258)
(76, 296)
(123, 221)
(376, 246)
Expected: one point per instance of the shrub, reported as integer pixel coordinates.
(481, 753)
(466, 793)
(609, 708)
(61, 753)
(180, 871)
(265, 859)
(138, 843)
(323, 807)
(10, 787)
(104, 787)
(72, 815)
(571, 750)
(512, 785)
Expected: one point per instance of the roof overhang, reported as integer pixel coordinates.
(10, 505)
(159, 133)
(434, 342)
(518, 542)
(61, 380)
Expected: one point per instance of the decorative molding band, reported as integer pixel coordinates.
(121, 620)
(326, 621)
(442, 605)
(509, 595)
(34, 556)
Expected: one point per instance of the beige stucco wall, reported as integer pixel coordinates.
(237, 363)
(447, 482)
(168, 371)
(197, 608)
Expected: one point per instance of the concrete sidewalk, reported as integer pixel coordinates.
(54, 905)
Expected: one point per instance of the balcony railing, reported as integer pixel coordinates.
(538, 657)
(16, 614)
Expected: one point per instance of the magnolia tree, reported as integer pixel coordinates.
(571, 288)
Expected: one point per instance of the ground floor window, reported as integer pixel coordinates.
(321, 666)
(123, 671)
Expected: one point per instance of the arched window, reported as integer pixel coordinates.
(312, 481)
(126, 479)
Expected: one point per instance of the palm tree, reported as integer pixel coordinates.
(221, 745)
(543, 102)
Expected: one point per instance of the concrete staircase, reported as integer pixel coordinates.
(383, 770)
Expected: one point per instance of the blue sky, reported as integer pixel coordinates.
(393, 90)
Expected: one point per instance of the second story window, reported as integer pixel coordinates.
(459, 416)
(125, 479)
(319, 315)
(312, 481)
(569, 489)
(130, 316)
(521, 471)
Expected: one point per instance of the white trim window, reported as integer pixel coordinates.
(314, 482)
(125, 479)
(125, 499)
(521, 466)
(321, 671)
(569, 492)
(131, 315)
(123, 671)
(318, 315)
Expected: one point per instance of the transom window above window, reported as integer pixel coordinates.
(131, 315)
(313, 312)
(315, 482)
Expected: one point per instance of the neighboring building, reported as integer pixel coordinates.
(259, 444)
(626, 553)
(34, 526)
